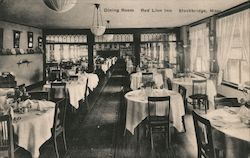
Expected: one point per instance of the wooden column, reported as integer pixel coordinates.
(137, 40)
(90, 41)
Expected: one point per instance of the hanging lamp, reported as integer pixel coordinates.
(108, 37)
(60, 6)
(97, 27)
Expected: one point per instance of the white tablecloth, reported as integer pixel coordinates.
(105, 67)
(34, 127)
(236, 135)
(5, 91)
(187, 83)
(92, 80)
(136, 79)
(75, 89)
(137, 107)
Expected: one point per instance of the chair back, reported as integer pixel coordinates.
(147, 77)
(57, 91)
(183, 91)
(203, 134)
(59, 117)
(39, 95)
(73, 77)
(54, 75)
(152, 105)
(199, 87)
(6, 136)
(169, 83)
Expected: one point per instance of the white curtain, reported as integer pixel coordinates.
(199, 45)
(244, 27)
(225, 31)
(172, 49)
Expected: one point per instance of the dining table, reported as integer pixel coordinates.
(231, 130)
(187, 82)
(33, 128)
(75, 91)
(136, 80)
(137, 108)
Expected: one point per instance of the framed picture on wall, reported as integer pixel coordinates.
(40, 42)
(30, 39)
(16, 38)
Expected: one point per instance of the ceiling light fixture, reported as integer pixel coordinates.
(97, 27)
(60, 6)
(109, 37)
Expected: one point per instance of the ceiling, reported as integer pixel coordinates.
(36, 13)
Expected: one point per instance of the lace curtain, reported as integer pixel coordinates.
(225, 28)
(68, 52)
(244, 27)
(199, 48)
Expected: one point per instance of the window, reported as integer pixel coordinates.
(158, 50)
(199, 48)
(237, 68)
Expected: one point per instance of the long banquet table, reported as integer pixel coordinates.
(229, 132)
(34, 127)
(137, 108)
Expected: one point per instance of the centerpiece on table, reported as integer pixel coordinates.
(148, 87)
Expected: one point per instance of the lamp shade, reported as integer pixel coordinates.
(60, 5)
(98, 30)
(97, 27)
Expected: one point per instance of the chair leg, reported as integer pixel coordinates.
(55, 146)
(166, 138)
(183, 122)
(151, 139)
(64, 141)
(193, 102)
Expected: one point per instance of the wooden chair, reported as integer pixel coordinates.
(169, 83)
(6, 137)
(158, 124)
(199, 96)
(59, 124)
(183, 91)
(55, 75)
(147, 77)
(57, 91)
(73, 77)
(39, 95)
(204, 138)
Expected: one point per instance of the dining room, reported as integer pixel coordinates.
(124, 79)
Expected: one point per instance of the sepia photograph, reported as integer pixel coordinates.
(124, 79)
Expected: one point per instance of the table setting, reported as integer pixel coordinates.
(136, 80)
(32, 121)
(231, 130)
